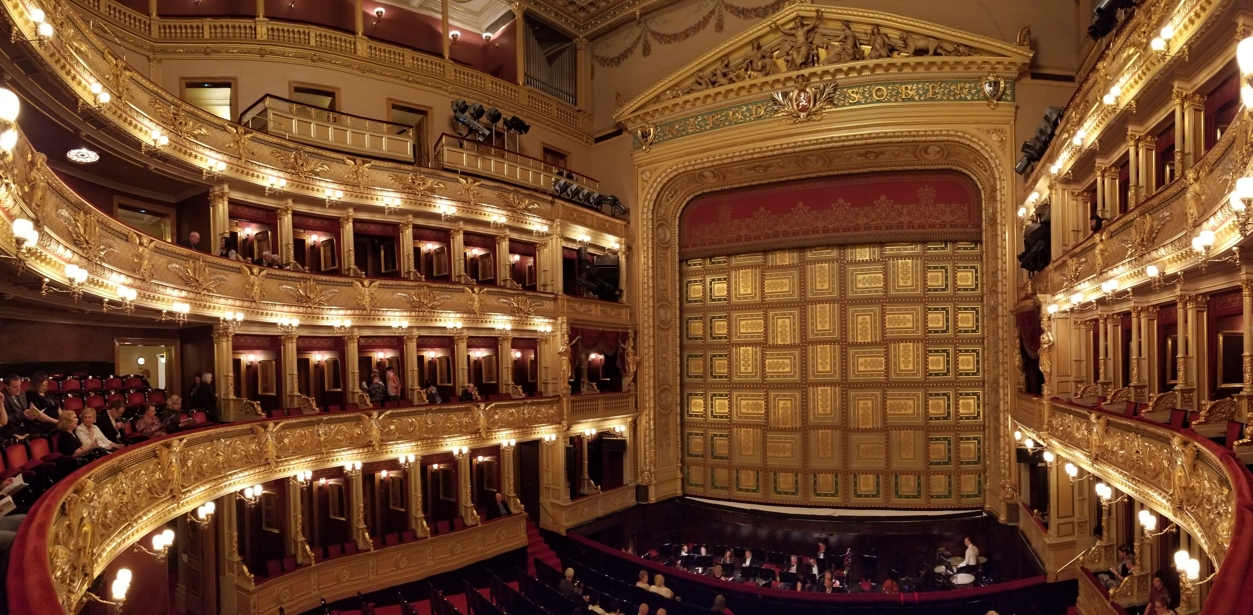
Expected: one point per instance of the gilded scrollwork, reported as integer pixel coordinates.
(365, 293)
(309, 293)
(424, 299)
(84, 230)
(197, 276)
(520, 307)
(141, 255)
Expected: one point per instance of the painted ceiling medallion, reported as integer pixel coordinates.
(806, 102)
(82, 155)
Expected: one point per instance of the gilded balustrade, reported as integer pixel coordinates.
(97, 513)
(1181, 477)
(1159, 230)
(317, 44)
(80, 58)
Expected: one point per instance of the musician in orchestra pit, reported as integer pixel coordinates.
(748, 559)
(971, 562)
(828, 584)
(821, 558)
(795, 567)
(727, 558)
(718, 572)
(703, 551)
(683, 551)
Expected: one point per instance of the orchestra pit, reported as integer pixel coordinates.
(648, 307)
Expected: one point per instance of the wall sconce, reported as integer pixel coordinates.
(539, 229)
(1239, 202)
(161, 542)
(478, 355)
(497, 220)
(548, 438)
(1030, 444)
(1202, 244)
(399, 326)
(515, 258)
(1049, 458)
(252, 495)
(391, 203)
(1149, 522)
(430, 247)
(126, 296)
(304, 477)
(341, 325)
(75, 275)
(508, 444)
(430, 356)
(1158, 280)
(454, 35)
(517, 354)
(406, 461)
(453, 325)
(589, 433)
(460, 452)
(177, 313)
(158, 141)
(252, 358)
(379, 355)
(275, 185)
(583, 239)
(545, 329)
(213, 169)
(503, 326)
(383, 474)
(1189, 573)
(1017, 436)
(117, 590)
(446, 211)
(288, 325)
(487, 37)
(619, 429)
(43, 29)
(352, 469)
(322, 482)
(1161, 44)
(1110, 289)
(27, 238)
(378, 15)
(203, 514)
(317, 357)
(480, 459)
(332, 195)
(100, 97)
(1072, 472)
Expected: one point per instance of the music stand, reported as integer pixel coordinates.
(703, 562)
(788, 579)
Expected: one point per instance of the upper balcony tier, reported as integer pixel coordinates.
(403, 45)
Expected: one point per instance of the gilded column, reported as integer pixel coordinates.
(296, 543)
(1245, 396)
(291, 375)
(1198, 347)
(1137, 313)
(548, 261)
(509, 477)
(1133, 169)
(417, 520)
(460, 360)
(443, 17)
(519, 14)
(1080, 354)
(360, 530)
(1110, 181)
(412, 376)
(1182, 339)
(1180, 98)
(457, 254)
(504, 360)
(543, 350)
(352, 386)
(628, 458)
(1102, 348)
(583, 84)
(286, 235)
(233, 572)
(1148, 166)
(348, 258)
(408, 268)
(586, 486)
(504, 267)
(224, 372)
(1148, 353)
(1060, 207)
(1102, 199)
(465, 501)
(553, 485)
(219, 215)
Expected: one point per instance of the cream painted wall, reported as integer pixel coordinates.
(1055, 38)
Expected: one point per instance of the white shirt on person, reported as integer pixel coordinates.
(972, 556)
(93, 437)
(595, 608)
(643, 585)
(661, 591)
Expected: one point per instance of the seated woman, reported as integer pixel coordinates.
(38, 395)
(69, 446)
(148, 424)
(89, 434)
(1126, 565)
(432, 393)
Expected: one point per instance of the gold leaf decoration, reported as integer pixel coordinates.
(197, 276)
(239, 141)
(142, 255)
(253, 277)
(474, 300)
(423, 299)
(175, 120)
(1143, 234)
(85, 233)
(469, 187)
(298, 163)
(519, 203)
(309, 294)
(365, 293)
(520, 307)
(357, 169)
(119, 77)
(806, 103)
(417, 184)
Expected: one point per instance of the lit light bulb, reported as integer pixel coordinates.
(1152, 271)
(1049, 457)
(1017, 436)
(1071, 470)
(1030, 443)
(1052, 308)
(1181, 559)
(1157, 44)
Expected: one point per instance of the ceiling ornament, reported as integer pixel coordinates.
(308, 294)
(645, 32)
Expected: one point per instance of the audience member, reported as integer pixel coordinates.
(499, 508)
(20, 415)
(224, 248)
(748, 558)
(613, 607)
(643, 582)
(378, 391)
(661, 610)
(148, 423)
(393, 384)
(659, 587)
(38, 395)
(89, 434)
(170, 413)
(470, 393)
(191, 392)
(192, 242)
(593, 603)
(643, 608)
(207, 396)
(8, 534)
(432, 393)
(107, 424)
(1161, 607)
(568, 587)
(68, 444)
(720, 605)
(1157, 589)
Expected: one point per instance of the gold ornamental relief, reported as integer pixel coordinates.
(469, 187)
(84, 230)
(521, 307)
(423, 300)
(1144, 232)
(253, 278)
(239, 139)
(474, 299)
(357, 168)
(197, 276)
(177, 121)
(805, 103)
(365, 294)
(141, 255)
(298, 163)
(309, 294)
(417, 184)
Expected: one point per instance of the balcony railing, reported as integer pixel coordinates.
(458, 154)
(329, 129)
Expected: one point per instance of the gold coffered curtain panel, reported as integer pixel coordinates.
(836, 375)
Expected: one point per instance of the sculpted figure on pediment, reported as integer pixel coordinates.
(841, 45)
(880, 45)
(760, 63)
(798, 43)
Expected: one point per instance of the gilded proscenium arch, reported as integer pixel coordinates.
(121, 499)
(666, 188)
(1180, 479)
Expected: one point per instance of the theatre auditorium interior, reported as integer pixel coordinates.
(626, 307)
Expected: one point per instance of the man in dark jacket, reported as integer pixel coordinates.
(207, 396)
(499, 508)
(107, 422)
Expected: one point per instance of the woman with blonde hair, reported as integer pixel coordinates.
(90, 435)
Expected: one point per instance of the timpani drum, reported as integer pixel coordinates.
(962, 580)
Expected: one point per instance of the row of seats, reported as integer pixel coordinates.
(91, 384)
(133, 400)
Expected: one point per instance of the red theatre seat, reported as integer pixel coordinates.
(40, 449)
(114, 384)
(71, 385)
(135, 382)
(93, 384)
(135, 399)
(273, 568)
(95, 401)
(72, 403)
(112, 397)
(156, 396)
